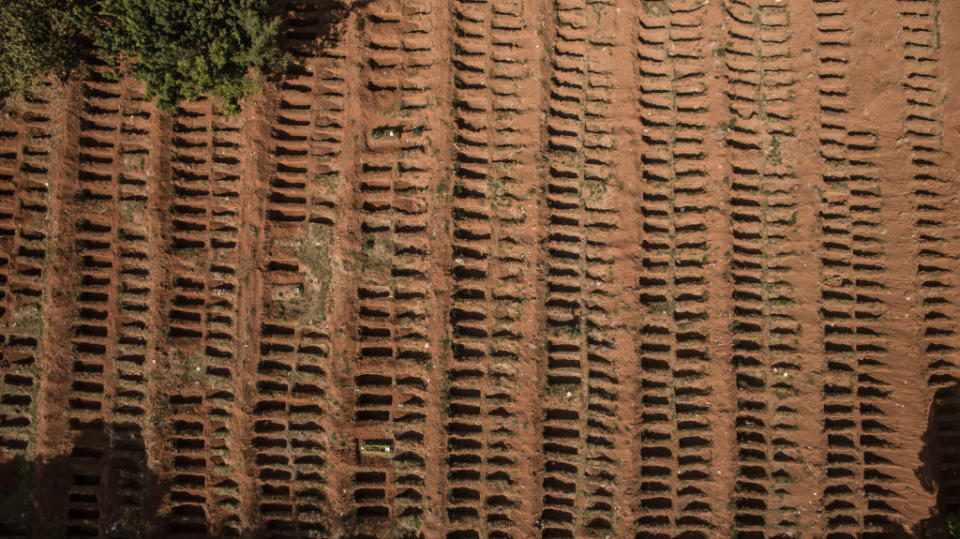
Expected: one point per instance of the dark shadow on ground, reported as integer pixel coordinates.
(103, 487)
(103, 479)
(312, 26)
(940, 471)
(940, 468)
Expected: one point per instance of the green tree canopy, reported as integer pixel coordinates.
(37, 38)
(185, 49)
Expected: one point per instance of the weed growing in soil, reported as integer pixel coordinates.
(308, 305)
(28, 320)
(953, 524)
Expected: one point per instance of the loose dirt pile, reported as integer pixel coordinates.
(498, 268)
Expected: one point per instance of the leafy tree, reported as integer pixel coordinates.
(37, 38)
(953, 524)
(185, 49)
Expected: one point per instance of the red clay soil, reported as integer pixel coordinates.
(649, 268)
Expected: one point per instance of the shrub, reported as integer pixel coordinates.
(37, 38)
(185, 49)
(953, 524)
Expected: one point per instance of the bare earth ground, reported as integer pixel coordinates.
(498, 268)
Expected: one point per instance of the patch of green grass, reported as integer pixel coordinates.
(190, 367)
(953, 524)
(128, 210)
(27, 320)
(376, 255)
(773, 156)
(134, 162)
(443, 185)
(656, 8)
(309, 304)
(665, 307)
